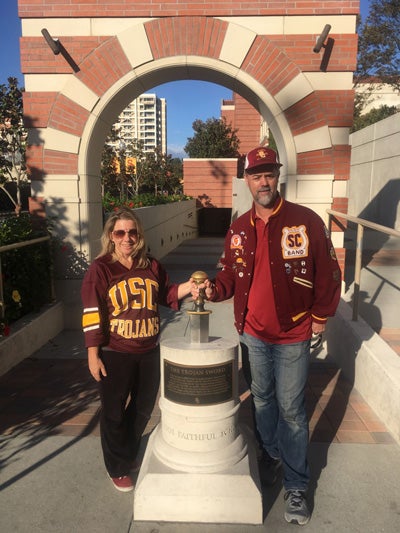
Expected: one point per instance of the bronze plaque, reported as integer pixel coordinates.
(198, 385)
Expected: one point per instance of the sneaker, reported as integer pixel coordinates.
(296, 511)
(269, 469)
(123, 483)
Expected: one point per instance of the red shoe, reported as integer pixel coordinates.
(123, 483)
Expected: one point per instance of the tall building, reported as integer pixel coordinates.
(144, 119)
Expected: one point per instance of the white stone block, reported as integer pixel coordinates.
(232, 496)
(199, 465)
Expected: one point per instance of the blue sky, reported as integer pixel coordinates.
(180, 95)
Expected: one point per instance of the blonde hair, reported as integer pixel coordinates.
(107, 245)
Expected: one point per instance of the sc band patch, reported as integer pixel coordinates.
(294, 242)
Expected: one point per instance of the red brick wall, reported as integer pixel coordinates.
(37, 58)
(188, 28)
(156, 8)
(247, 120)
(209, 181)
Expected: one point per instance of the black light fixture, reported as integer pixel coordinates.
(58, 48)
(328, 47)
(54, 44)
(321, 39)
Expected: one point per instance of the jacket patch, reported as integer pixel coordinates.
(304, 282)
(236, 241)
(294, 242)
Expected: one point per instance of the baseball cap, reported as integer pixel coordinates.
(260, 157)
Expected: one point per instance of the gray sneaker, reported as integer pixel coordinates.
(269, 469)
(296, 511)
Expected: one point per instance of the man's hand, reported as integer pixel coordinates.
(317, 328)
(208, 287)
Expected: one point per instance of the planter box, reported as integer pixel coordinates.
(29, 334)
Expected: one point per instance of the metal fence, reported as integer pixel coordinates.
(361, 225)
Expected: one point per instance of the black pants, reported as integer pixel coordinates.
(128, 395)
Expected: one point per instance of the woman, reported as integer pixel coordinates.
(121, 292)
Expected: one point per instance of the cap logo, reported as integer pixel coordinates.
(261, 154)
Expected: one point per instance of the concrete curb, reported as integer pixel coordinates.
(368, 362)
(29, 334)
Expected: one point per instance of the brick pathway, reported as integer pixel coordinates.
(44, 397)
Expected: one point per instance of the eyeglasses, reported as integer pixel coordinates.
(120, 233)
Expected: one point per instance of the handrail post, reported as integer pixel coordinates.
(357, 272)
(361, 224)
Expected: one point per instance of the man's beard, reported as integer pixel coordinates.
(266, 200)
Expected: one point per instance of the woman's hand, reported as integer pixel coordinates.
(96, 365)
(184, 289)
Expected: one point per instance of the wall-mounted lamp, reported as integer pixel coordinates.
(328, 47)
(54, 44)
(57, 48)
(321, 39)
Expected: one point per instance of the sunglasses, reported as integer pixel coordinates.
(120, 233)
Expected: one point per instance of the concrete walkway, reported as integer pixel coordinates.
(52, 476)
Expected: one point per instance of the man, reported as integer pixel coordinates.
(281, 268)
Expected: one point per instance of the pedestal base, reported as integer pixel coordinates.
(231, 496)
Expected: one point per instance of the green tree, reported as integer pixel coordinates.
(118, 178)
(160, 173)
(213, 139)
(378, 59)
(176, 178)
(13, 138)
(375, 115)
(109, 171)
(127, 170)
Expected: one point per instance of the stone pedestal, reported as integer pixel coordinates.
(199, 465)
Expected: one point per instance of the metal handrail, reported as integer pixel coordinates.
(15, 246)
(361, 224)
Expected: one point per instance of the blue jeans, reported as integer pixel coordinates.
(278, 377)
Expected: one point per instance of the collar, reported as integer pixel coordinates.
(277, 207)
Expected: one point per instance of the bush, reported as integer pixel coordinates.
(26, 272)
(111, 203)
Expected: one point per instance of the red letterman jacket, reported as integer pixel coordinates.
(305, 274)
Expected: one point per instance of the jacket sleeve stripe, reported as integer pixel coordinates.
(90, 319)
(91, 328)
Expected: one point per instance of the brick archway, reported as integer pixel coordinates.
(263, 53)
